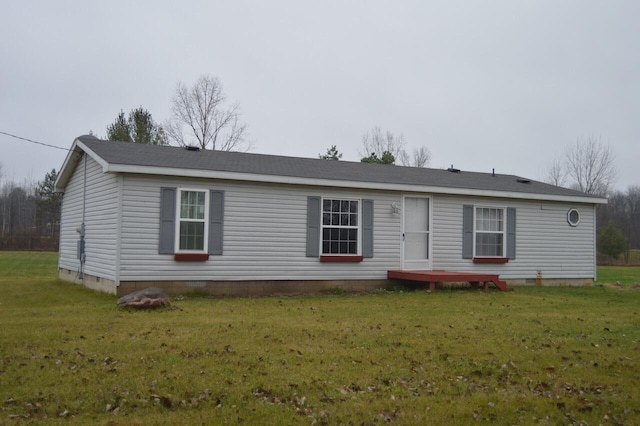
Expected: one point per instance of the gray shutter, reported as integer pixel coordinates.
(313, 226)
(511, 233)
(467, 231)
(216, 221)
(167, 220)
(367, 228)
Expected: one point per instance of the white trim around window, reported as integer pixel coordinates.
(192, 221)
(340, 227)
(489, 231)
(573, 217)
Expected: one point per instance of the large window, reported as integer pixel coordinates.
(489, 232)
(340, 227)
(192, 219)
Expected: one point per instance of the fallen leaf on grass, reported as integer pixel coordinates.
(165, 401)
(389, 416)
(18, 416)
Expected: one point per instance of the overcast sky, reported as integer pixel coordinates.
(483, 84)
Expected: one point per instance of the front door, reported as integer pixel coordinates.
(416, 235)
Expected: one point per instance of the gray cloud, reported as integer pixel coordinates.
(497, 84)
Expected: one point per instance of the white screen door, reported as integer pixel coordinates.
(416, 234)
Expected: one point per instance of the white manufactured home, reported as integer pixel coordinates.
(230, 223)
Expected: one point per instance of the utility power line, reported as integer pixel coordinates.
(32, 141)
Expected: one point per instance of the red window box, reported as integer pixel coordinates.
(348, 259)
(490, 259)
(191, 257)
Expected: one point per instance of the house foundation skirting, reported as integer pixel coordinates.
(555, 282)
(228, 288)
(255, 288)
(89, 281)
(270, 288)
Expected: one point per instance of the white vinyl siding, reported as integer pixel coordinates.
(544, 240)
(262, 240)
(70, 220)
(101, 220)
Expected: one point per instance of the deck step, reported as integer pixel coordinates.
(502, 285)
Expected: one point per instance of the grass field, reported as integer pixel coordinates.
(536, 355)
(623, 274)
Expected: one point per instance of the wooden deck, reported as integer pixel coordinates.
(433, 277)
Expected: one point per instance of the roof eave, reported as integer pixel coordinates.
(71, 161)
(253, 177)
(68, 166)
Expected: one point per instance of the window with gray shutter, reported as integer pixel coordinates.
(367, 228)
(170, 219)
(216, 221)
(511, 232)
(467, 231)
(313, 226)
(167, 220)
(336, 228)
(494, 228)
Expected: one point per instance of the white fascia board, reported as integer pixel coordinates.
(251, 177)
(96, 157)
(73, 156)
(67, 168)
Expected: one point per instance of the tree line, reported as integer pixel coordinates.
(618, 224)
(30, 214)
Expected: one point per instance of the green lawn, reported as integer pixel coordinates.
(560, 355)
(623, 274)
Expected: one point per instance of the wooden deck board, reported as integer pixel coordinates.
(433, 277)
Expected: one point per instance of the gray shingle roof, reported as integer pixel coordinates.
(132, 154)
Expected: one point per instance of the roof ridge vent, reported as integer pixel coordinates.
(192, 148)
(452, 170)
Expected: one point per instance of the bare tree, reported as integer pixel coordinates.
(556, 173)
(421, 157)
(590, 166)
(209, 122)
(377, 145)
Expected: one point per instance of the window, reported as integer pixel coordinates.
(489, 232)
(193, 217)
(573, 217)
(340, 227)
(191, 223)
